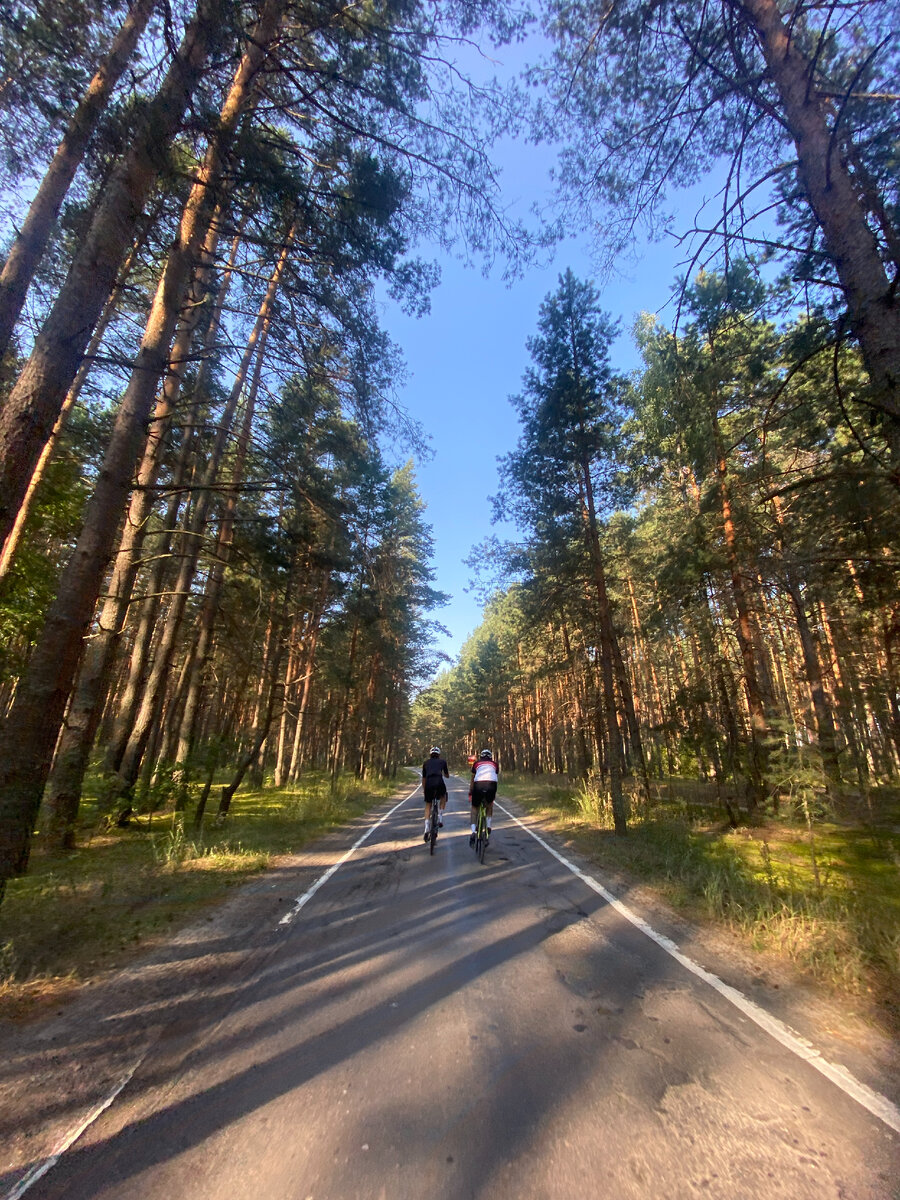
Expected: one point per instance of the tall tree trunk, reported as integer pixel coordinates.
(309, 659)
(204, 644)
(344, 704)
(83, 716)
(839, 209)
(174, 712)
(846, 690)
(367, 715)
(578, 697)
(825, 731)
(890, 634)
(650, 670)
(607, 660)
(744, 629)
(31, 240)
(30, 412)
(726, 686)
(32, 727)
(139, 728)
(201, 657)
(631, 718)
(280, 774)
(12, 542)
(129, 694)
(263, 720)
(392, 728)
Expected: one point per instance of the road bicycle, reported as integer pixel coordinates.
(482, 833)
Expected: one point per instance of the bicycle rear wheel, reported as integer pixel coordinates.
(433, 828)
(483, 845)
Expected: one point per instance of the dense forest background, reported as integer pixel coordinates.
(706, 585)
(215, 562)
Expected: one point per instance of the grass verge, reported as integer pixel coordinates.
(824, 897)
(77, 915)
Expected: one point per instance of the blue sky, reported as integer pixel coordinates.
(465, 360)
(467, 357)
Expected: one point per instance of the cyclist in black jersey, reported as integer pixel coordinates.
(434, 772)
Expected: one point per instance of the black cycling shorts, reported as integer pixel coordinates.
(435, 791)
(483, 792)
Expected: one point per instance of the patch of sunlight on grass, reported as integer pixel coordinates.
(95, 908)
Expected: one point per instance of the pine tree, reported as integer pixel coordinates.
(561, 476)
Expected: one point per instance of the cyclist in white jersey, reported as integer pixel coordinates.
(483, 789)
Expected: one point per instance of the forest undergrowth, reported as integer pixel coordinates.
(823, 896)
(75, 916)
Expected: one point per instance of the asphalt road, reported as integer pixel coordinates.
(434, 1027)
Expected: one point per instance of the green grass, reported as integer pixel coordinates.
(122, 891)
(827, 898)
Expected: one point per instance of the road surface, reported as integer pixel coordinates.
(433, 1027)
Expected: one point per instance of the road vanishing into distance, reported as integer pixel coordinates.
(413, 1026)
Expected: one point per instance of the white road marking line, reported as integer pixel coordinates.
(879, 1106)
(40, 1169)
(37, 1172)
(310, 892)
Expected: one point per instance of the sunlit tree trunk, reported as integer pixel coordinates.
(33, 406)
(200, 660)
(839, 209)
(129, 692)
(825, 731)
(847, 708)
(31, 239)
(256, 768)
(32, 727)
(290, 671)
(608, 652)
(615, 762)
(83, 715)
(337, 744)
(744, 629)
(310, 643)
(368, 714)
(726, 685)
(890, 633)
(15, 534)
(583, 763)
(171, 714)
(139, 727)
(272, 691)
